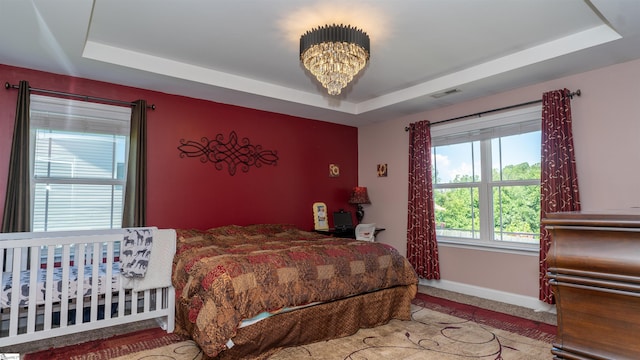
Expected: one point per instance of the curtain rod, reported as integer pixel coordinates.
(571, 95)
(84, 97)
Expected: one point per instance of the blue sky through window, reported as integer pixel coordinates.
(459, 159)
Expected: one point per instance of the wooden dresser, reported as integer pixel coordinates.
(594, 269)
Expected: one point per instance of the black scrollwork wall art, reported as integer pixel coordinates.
(233, 153)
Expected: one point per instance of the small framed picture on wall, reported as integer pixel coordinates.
(382, 170)
(334, 170)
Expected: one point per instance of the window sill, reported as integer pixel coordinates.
(510, 248)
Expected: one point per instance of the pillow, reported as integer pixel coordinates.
(267, 229)
(189, 235)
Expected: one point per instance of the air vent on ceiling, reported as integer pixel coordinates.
(445, 93)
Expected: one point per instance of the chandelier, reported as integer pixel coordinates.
(334, 54)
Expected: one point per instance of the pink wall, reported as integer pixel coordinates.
(185, 193)
(606, 134)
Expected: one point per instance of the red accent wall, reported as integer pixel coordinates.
(186, 193)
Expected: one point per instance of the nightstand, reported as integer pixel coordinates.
(348, 233)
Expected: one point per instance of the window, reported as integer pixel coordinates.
(78, 156)
(486, 180)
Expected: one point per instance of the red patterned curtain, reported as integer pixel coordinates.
(422, 247)
(559, 180)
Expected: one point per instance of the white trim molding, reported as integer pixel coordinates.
(491, 294)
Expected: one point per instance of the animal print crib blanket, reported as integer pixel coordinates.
(136, 251)
(86, 282)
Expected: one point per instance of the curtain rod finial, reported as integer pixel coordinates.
(575, 93)
(7, 85)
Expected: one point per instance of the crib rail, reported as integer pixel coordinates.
(88, 294)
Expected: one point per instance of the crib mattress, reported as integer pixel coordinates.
(7, 279)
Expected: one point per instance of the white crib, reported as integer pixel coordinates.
(35, 267)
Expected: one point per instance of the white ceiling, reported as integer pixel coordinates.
(246, 52)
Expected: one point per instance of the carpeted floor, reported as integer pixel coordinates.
(519, 311)
(430, 335)
(475, 308)
(440, 329)
(434, 335)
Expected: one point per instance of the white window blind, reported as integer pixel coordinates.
(78, 155)
(488, 127)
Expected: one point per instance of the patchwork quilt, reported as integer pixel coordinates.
(228, 274)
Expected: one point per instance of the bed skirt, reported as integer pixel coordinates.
(320, 322)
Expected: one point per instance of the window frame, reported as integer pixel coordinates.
(511, 122)
(55, 113)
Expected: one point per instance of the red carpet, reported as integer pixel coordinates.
(110, 348)
(525, 327)
(148, 339)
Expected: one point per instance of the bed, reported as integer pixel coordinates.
(246, 292)
(36, 304)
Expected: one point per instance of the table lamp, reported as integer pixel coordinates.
(359, 196)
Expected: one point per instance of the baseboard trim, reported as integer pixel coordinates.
(491, 294)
